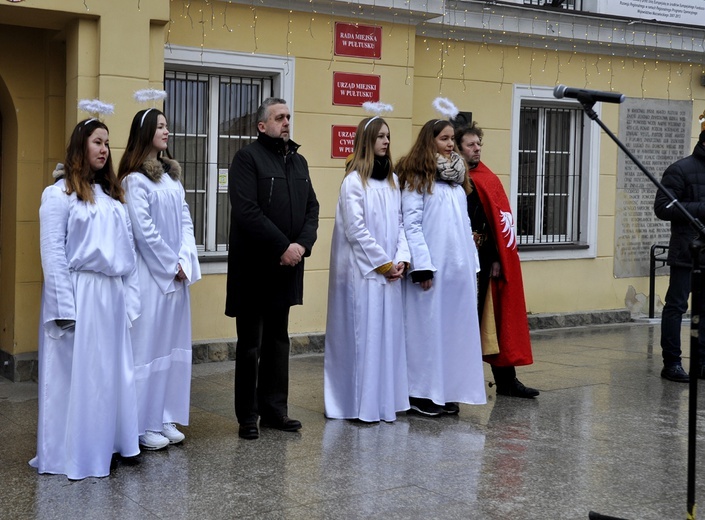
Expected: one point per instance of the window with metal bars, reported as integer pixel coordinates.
(550, 176)
(211, 116)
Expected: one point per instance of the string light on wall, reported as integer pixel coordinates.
(187, 7)
(254, 27)
(288, 38)
(531, 31)
(611, 71)
(310, 21)
(462, 75)
(668, 85)
(331, 29)
(501, 68)
(407, 81)
(225, 16)
(643, 77)
(203, 30)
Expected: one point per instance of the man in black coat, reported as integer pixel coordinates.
(273, 226)
(685, 179)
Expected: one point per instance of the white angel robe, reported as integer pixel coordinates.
(442, 329)
(161, 337)
(87, 400)
(365, 361)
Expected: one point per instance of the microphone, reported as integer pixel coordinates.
(590, 96)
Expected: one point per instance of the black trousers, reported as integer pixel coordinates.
(262, 365)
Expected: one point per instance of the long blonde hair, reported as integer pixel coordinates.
(363, 156)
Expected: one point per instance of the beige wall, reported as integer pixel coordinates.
(60, 53)
(32, 120)
(486, 91)
(310, 43)
(67, 53)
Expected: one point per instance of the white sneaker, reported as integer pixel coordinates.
(172, 434)
(153, 441)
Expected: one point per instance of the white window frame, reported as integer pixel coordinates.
(590, 186)
(192, 59)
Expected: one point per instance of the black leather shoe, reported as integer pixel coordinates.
(248, 431)
(284, 424)
(425, 407)
(451, 409)
(675, 373)
(517, 389)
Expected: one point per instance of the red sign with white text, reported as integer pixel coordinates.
(354, 89)
(358, 41)
(341, 142)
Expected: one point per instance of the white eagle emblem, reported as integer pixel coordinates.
(507, 220)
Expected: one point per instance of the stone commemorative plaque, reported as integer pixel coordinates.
(657, 132)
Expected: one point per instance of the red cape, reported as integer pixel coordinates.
(508, 290)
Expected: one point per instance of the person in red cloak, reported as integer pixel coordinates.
(504, 327)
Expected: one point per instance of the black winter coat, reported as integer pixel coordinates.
(685, 179)
(273, 204)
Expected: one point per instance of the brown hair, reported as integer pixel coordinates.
(417, 169)
(139, 143)
(363, 157)
(79, 176)
(472, 129)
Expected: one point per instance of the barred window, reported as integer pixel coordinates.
(211, 116)
(550, 176)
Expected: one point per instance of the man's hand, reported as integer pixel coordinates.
(426, 284)
(293, 254)
(495, 270)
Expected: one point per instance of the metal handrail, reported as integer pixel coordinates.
(653, 258)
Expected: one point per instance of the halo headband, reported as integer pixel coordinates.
(376, 108)
(95, 107)
(149, 94)
(371, 119)
(445, 107)
(145, 115)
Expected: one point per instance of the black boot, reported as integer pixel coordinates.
(508, 384)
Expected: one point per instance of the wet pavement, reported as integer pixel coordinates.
(606, 434)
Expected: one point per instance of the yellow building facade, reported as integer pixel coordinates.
(497, 63)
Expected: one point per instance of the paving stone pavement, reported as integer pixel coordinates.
(606, 434)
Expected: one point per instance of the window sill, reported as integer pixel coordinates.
(548, 252)
(526, 248)
(213, 263)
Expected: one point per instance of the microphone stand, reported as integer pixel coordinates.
(696, 280)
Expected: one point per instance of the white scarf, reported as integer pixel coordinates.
(450, 169)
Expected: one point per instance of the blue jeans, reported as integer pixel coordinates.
(672, 317)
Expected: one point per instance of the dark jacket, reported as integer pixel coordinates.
(685, 179)
(273, 204)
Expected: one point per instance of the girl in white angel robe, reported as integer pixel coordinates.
(167, 263)
(442, 329)
(87, 400)
(365, 362)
